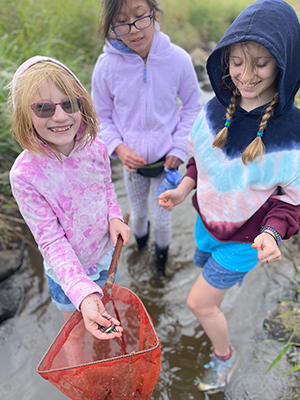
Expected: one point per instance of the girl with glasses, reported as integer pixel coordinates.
(246, 166)
(136, 84)
(62, 184)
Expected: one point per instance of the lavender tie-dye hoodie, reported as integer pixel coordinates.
(68, 206)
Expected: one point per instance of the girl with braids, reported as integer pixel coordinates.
(245, 165)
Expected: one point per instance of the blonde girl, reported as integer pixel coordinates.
(62, 184)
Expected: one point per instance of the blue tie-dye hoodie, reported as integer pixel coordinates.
(235, 200)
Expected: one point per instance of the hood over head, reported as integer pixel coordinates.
(21, 92)
(273, 24)
(37, 59)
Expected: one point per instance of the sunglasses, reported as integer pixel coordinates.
(46, 109)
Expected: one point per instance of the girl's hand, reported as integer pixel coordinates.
(172, 162)
(130, 160)
(268, 250)
(171, 198)
(92, 310)
(116, 228)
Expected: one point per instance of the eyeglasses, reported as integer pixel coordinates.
(140, 24)
(46, 109)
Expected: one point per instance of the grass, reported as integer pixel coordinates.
(190, 22)
(63, 29)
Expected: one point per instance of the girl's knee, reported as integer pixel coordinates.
(201, 308)
(193, 305)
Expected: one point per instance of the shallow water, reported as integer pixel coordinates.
(25, 338)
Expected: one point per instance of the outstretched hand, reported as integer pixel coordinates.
(170, 198)
(268, 250)
(92, 310)
(116, 228)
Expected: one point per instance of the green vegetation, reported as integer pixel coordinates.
(289, 346)
(192, 21)
(63, 29)
(67, 30)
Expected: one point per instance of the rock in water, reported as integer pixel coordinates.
(10, 262)
(281, 328)
(11, 299)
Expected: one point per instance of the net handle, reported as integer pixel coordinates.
(115, 259)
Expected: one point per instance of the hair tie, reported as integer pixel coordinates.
(260, 133)
(227, 123)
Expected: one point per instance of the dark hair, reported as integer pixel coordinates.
(111, 8)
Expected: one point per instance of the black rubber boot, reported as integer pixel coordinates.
(142, 241)
(161, 259)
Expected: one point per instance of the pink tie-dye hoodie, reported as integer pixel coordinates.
(68, 206)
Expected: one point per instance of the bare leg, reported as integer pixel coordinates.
(204, 301)
(66, 315)
(78, 347)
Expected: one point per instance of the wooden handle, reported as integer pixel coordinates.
(115, 259)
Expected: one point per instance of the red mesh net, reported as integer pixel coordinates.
(83, 367)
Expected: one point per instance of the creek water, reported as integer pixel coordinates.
(185, 347)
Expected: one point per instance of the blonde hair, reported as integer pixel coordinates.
(26, 85)
(221, 138)
(256, 149)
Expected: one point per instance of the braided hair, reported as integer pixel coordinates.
(256, 149)
(221, 138)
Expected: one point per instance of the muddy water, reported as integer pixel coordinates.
(25, 338)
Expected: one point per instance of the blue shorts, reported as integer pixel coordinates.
(216, 275)
(58, 296)
(237, 257)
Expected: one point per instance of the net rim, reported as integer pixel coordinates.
(125, 356)
(130, 355)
